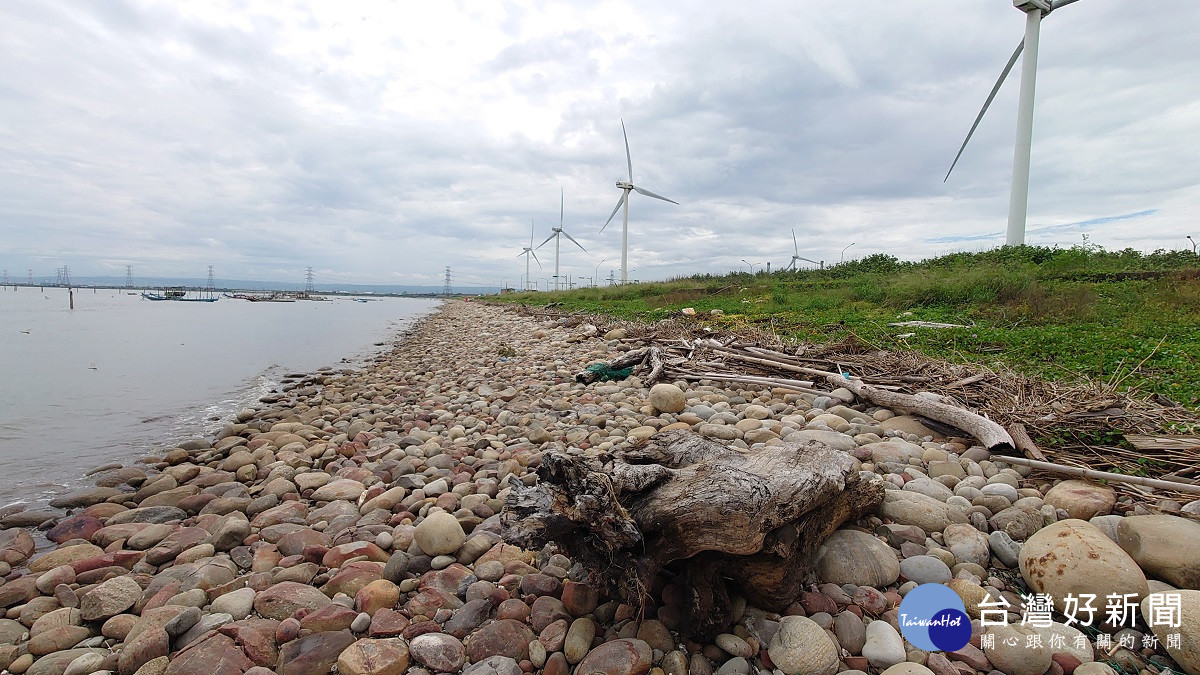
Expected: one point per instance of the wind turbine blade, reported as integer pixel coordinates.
(648, 193)
(620, 201)
(1060, 3)
(525, 252)
(547, 239)
(628, 158)
(531, 233)
(795, 245)
(539, 262)
(995, 88)
(573, 240)
(562, 203)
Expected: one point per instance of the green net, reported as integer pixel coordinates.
(605, 373)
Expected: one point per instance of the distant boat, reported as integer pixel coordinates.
(261, 297)
(180, 294)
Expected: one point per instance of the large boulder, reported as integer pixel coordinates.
(854, 557)
(1187, 654)
(1073, 557)
(282, 600)
(802, 647)
(1081, 499)
(1164, 547)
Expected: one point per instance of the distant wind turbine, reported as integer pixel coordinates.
(558, 239)
(1018, 200)
(527, 252)
(796, 257)
(626, 186)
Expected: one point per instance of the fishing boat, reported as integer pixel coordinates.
(180, 294)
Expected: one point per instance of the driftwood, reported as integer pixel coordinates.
(646, 357)
(716, 520)
(1186, 488)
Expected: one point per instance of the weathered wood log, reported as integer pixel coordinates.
(719, 520)
(637, 359)
(989, 433)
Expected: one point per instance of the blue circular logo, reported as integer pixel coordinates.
(933, 618)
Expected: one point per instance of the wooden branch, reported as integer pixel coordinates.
(990, 434)
(799, 386)
(1024, 443)
(724, 519)
(1102, 475)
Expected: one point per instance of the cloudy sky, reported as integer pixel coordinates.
(379, 142)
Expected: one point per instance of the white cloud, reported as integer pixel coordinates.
(381, 141)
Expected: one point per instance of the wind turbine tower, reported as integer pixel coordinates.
(557, 235)
(527, 252)
(626, 187)
(1018, 200)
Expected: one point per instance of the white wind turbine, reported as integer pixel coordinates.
(626, 186)
(1018, 200)
(527, 252)
(796, 257)
(558, 239)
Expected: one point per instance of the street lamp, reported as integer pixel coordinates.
(596, 274)
(844, 252)
(748, 265)
(1189, 238)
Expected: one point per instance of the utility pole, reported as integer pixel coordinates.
(129, 276)
(308, 278)
(446, 289)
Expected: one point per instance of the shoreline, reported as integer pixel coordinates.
(354, 521)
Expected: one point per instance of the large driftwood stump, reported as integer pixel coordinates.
(717, 519)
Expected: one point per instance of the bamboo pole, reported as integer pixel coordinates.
(1080, 472)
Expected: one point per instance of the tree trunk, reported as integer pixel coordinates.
(721, 520)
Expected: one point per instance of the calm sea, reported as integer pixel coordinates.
(120, 377)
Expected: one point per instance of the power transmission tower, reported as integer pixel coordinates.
(611, 278)
(210, 278)
(308, 277)
(66, 276)
(446, 290)
(29, 277)
(129, 276)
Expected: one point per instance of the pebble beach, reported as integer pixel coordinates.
(351, 523)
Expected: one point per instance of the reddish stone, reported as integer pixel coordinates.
(75, 527)
(448, 579)
(332, 617)
(553, 636)
(429, 600)
(619, 657)
(387, 623)
(294, 543)
(513, 609)
(581, 599)
(352, 577)
(557, 665)
(814, 603)
(1067, 661)
(338, 555)
(287, 630)
(871, 600)
(421, 628)
(120, 558)
(215, 655)
(541, 584)
(314, 654)
(856, 663)
(971, 656)
(256, 637)
(503, 637)
(546, 610)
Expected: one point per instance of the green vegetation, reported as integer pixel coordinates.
(1124, 318)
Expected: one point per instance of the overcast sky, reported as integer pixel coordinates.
(379, 142)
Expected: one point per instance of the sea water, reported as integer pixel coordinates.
(119, 377)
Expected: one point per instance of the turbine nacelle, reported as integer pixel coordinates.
(624, 185)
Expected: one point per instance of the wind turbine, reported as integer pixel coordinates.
(626, 186)
(796, 257)
(527, 252)
(558, 239)
(1018, 200)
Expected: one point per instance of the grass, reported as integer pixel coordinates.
(1121, 317)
